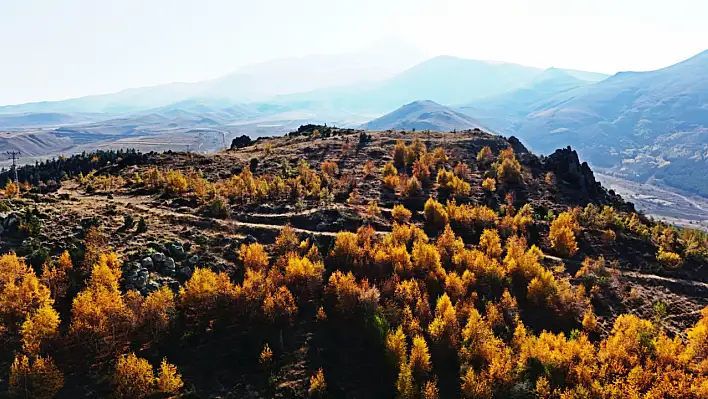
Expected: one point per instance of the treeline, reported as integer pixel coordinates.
(63, 167)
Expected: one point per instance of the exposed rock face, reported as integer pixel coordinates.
(567, 167)
(241, 142)
(517, 146)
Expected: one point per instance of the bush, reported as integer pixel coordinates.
(489, 185)
(133, 377)
(400, 214)
(509, 171)
(399, 154)
(329, 168)
(12, 190)
(562, 234)
(413, 187)
(218, 208)
(484, 155)
(669, 259)
(435, 215)
(168, 379)
(175, 182)
(389, 170)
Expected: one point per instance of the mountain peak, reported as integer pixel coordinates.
(424, 115)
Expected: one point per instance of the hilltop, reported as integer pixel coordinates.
(343, 263)
(424, 115)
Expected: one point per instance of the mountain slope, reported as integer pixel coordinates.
(645, 125)
(422, 115)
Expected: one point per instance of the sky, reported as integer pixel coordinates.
(52, 50)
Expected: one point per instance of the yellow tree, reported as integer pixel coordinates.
(37, 379)
(133, 377)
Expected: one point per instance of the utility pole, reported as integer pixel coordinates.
(13, 155)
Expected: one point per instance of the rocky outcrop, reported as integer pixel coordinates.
(9, 223)
(241, 142)
(564, 163)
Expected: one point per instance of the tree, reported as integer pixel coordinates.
(435, 215)
(562, 234)
(399, 154)
(133, 377)
(158, 310)
(40, 325)
(168, 379)
(37, 379)
(21, 293)
(253, 256)
(318, 385)
(420, 357)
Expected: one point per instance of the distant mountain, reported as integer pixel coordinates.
(504, 111)
(257, 82)
(423, 115)
(650, 126)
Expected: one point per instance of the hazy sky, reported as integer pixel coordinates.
(53, 49)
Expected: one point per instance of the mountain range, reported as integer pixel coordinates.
(647, 126)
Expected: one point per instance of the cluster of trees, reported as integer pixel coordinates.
(57, 169)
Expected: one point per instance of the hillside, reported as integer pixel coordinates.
(423, 115)
(648, 126)
(337, 263)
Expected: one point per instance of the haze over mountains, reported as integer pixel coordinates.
(647, 126)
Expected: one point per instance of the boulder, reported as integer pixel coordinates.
(158, 258)
(249, 239)
(147, 263)
(176, 251)
(185, 272)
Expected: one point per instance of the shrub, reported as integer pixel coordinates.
(373, 209)
(435, 214)
(399, 154)
(218, 208)
(509, 171)
(389, 170)
(279, 306)
(12, 190)
(484, 155)
(397, 345)
(462, 170)
(489, 185)
(266, 355)
(175, 182)
(391, 182)
(159, 310)
(318, 385)
(142, 226)
(329, 168)
(413, 187)
(369, 168)
(421, 171)
(669, 259)
(168, 379)
(287, 240)
(400, 214)
(133, 377)
(562, 234)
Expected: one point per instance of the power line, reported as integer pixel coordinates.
(14, 155)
